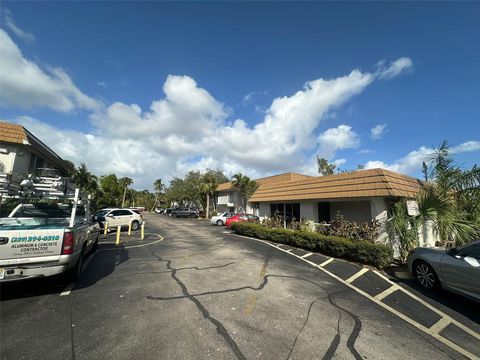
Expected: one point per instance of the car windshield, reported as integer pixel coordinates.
(101, 212)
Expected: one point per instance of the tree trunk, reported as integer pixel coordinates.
(124, 194)
(208, 204)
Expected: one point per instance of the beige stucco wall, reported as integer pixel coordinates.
(8, 158)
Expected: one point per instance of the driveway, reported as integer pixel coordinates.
(198, 292)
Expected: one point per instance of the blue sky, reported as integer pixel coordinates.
(261, 88)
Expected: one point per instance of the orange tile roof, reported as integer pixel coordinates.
(12, 133)
(363, 183)
(287, 177)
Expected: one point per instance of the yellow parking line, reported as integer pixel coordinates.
(326, 262)
(357, 275)
(387, 292)
(440, 325)
(433, 308)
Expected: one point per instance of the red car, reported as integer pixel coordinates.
(240, 218)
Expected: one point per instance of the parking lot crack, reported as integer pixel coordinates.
(221, 330)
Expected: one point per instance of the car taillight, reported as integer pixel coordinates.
(68, 242)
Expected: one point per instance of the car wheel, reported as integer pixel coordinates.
(425, 275)
(219, 222)
(135, 225)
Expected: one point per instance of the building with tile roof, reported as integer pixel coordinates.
(21, 154)
(360, 196)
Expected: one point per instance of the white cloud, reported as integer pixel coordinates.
(339, 162)
(102, 84)
(25, 85)
(412, 162)
(393, 69)
(466, 147)
(377, 132)
(253, 95)
(12, 26)
(365, 151)
(339, 138)
(188, 129)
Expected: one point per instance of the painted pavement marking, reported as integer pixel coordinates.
(357, 275)
(407, 319)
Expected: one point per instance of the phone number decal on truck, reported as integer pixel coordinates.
(36, 238)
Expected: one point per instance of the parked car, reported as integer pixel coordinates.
(159, 210)
(456, 269)
(138, 209)
(185, 212)
(221, 218)
(119, 217)
(168, 211)
(240, 218)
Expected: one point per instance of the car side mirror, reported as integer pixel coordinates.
(110, 215)
(452, 252)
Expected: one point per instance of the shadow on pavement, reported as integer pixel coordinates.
(98, 265)
(103, 264)
(449, 300)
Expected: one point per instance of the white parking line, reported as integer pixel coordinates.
(407, 319)
(326, 262)
(356, 275)
(387, 292)
(67, 289)
(306, 255)
(440, 325)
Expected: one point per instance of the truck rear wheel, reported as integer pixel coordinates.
(74, 273)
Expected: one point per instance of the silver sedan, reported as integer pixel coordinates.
(456, 269)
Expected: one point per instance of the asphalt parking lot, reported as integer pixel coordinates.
(194, 291)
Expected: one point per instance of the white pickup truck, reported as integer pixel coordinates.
(45, 239)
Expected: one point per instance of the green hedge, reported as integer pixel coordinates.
(359, 251)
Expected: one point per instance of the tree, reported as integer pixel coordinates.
(207, 187)
(449, 200)
(158, 188)
(245, 186)
(84, 179)
(125, 182)
(324, 167)
(111, 190)
(70, 166)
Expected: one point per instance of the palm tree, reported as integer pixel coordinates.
(207, 187)
(158, 187)
(84, 179)
(125, 182)
(449, 200)
(245, 186)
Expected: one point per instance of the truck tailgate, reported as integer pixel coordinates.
(24, 246)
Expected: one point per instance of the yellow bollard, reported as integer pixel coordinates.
(129, 229)
(105, 228)
(143, 230)
(117, 242)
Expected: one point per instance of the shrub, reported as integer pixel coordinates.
(378, 255)
(349, 229)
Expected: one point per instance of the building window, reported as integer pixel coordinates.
(292, 210)
(324, 212)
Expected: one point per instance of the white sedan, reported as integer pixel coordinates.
(221, 218)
